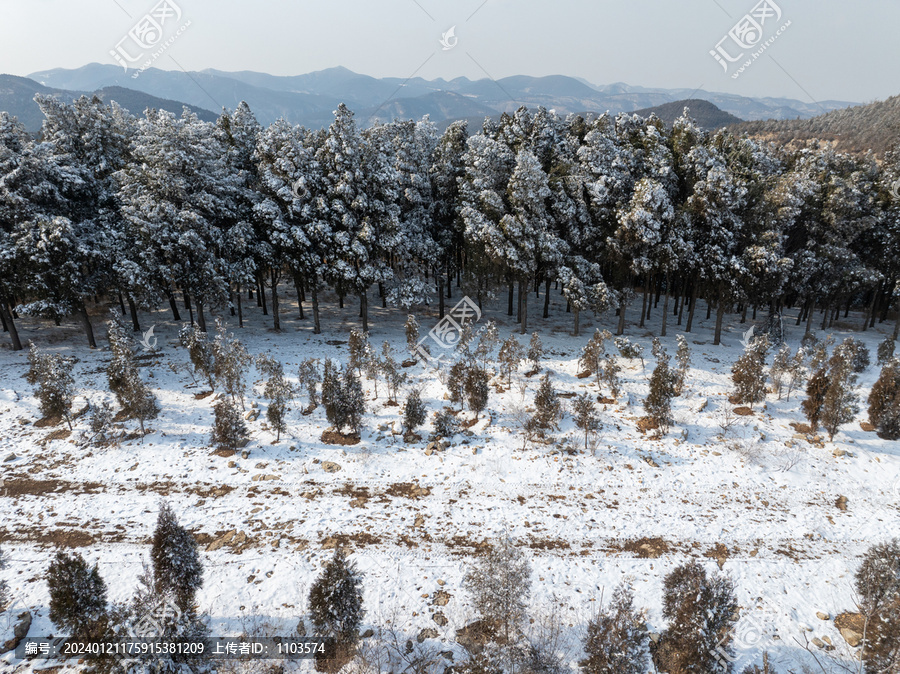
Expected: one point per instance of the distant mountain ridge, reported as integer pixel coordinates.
(706, 114)
(310, 99)
(17, 98)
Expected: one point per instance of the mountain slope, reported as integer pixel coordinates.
(706, 114)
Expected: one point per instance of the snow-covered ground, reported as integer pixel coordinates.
(762, 502)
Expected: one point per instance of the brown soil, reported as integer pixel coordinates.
(224, 453)
(743, 411)
(48, 422)
(867, 427)
(408, 363)
(645, 424)
(606, 401)
(647, 548)
(335, 438)
(407, 490)
(801, 428)
(61, 434)
(202, 395)
(583, 375)
(27, 487)
(411, 438)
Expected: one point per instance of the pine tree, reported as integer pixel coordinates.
(55, 384)
(548, 409)
(886, 351)
(490, 338)
(331, 388)
(816, 390)
(177, 568)
(627, 349)
(335, 599)
(701, 611)
(592, 355)
(535, 352)
(357, 346)
(884, 401)
(500, 585)
(617, 640)
(609, 375)
(683, 359)
(278, 391)
(841, 402)
(200, 352)
(476, 388)
(414, 411)
(878, 586)
(749, 373)
(373, 366)
(4, 587)
(781, 366)
(309, 377)
(133, 395)
(511, 354)
(393, 375)
(229, 430)
(446, 424)
(855, 353)
(658, 403)
(456, 382)
(348, 406)
(77, 595)
(586, 417)
(412, 335)
(231, 361)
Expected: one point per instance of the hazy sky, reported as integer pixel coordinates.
(832, 49)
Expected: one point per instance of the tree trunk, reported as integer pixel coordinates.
(523, 303)
(665, 317)
(897, 327)
(509, 311)
(644, 304)
(620, 330)
(299, 287)
(240, 307)
(201, 318)
(190, 307)
(810, 312)
(547, 299)
(261, 292)
(441, 295)
(173, 305)
(86, 324)
(276, 317)
(383, 295)
(523, 290)
(231, 306)
(135, 324)
(577, 321)
(121, 303)
(314, 291)
(10, 325)
(695, 291)
(364, 310)
(720, 316)
(187, 299)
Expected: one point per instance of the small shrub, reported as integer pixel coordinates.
(490, 338)
(886, 351)
(884, 402)
(229, 430)
(231, 361)
(585, 415)
(535, 352)
(609, 375)
(357, 345)
(658, 403)
(749, 373)
(629, 350)
(335, 599)
(617, 640)
(476, 388)
(77, 595)
(683, 360)
(414, 411)
(446, 424)
(510, 357)
(855, 353)
(200, 352)
(500, 584)
(309, 377)
(878, 586)
(278, 391)
(548, 409)
(412, 335)
(177, 569)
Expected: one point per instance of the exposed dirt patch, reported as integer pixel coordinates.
(606, 401)
(867, 427)
(48, 422)
(407, 490)
(583, 375)
(61, 434)
(332, 437)
(743, 411)
(468, 423)
(408, 363)
(548, 544)
(718, 552)
(26, 487)
(645, 424)
(841, 503)
(567, 395)
(358, 540)
(801, 428)
(392, 403)
(224, 453)
(412, 438)
(202, 395)
(62, 538)
(532, 373)
(647, 548)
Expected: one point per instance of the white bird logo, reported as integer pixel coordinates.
(298, 189)
(146, 342)
(895, 190)
(449, 39)
(748, 337)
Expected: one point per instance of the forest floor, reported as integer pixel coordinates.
(785, 514)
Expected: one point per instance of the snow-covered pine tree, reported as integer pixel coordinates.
(309, 378)
(350, 404)
(592, 355)
(609, 375)
(701, 611)
(446, 424)
(816, 390)
(856, 353)
(132, 393)
(749, 373)
(177, 568)
(200, 352)
(500, 585)
(56, 390)
(841, 402)
(884, 401)
(547, 409)
(335, 599)
(229, 430)
(331, 388)
(278, 391)
(781, 365)
(456, 382)
(629, 349)
(535, 352)
(683, 360)
(357, 348)
(373, 366)
(77, 595)
(878, 586)
(585, 415)
(476, 388)
(412, 336)
(617, 641)
(393, 375)
(414, 411)
(489, 340)
(886, 351)
(231, 361)
(658, 403)
(511, 354)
